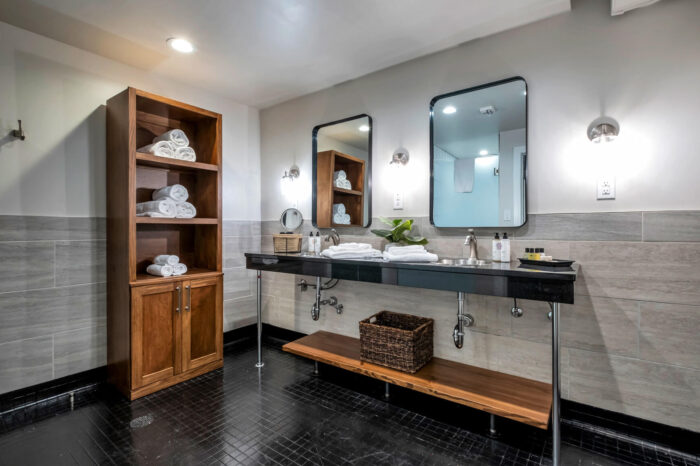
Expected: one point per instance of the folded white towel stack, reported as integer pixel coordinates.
(160, 270)
(340, 180)
(176, 192)
(340, 175)
(159, 208)
(185, 210)
(339, 215)
(176, 136)
(414, 253)
(179, 269)
(166, 259)
(359, 252)
(160, 148)
(338, 208)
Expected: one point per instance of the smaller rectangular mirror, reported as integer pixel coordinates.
(478, 154)
(342, 155)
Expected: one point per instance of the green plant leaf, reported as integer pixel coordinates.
(415, 240)
(383, 233)
(386, 221)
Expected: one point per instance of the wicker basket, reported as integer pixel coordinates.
(286, 243)
(400, 341)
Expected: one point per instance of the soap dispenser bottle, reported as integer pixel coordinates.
(505, 248)
(496, 249)
(317, 243)
(312, 243)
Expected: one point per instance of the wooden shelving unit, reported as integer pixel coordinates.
(328, 162)
(505, 395)
(162, 331)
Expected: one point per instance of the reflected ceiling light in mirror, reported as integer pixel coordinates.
(449, 110)
(483, 152)
(364, 128)
(180, 45)
(603, 129)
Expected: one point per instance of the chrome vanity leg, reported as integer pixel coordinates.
(492, 426)
(260, 362)
(316, 368)
(386, 391)
(556, 427)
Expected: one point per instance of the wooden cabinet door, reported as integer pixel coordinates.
(156, 327)
(202, 327)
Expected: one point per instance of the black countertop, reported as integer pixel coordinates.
(496, 279)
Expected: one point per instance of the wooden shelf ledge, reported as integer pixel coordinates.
(176, 221)
(151, 160)
(353, 192)
(524, 400)
(192, 273)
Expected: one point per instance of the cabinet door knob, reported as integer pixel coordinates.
(179, 299)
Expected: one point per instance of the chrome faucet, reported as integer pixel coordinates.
(471, 241)
(334, 236)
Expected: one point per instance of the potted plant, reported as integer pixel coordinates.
(399, 232)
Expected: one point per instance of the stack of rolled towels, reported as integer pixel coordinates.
(340, 180)
(172, 144)
(413, 253)
(352, 251)
(166, 265)
(339, 215)
(168, 202)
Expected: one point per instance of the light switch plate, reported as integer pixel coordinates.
(398, 201)
(606, 187)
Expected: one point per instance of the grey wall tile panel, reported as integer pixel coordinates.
(239, 283)
(241, 228)
(672, 226)
(670, 334)
(25, 362)
(36, 228)
(80, 350)
(607, 226)
(27, 314)
(26, 265)
(239, 312)
(79, 262)
(235, 248)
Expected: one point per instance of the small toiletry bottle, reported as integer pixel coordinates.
(317, 243)
(312, 243)
(496, 249)
(531, 253)
(505, 248)
(537, 254)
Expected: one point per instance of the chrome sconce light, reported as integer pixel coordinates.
(290, 190)
(400, 157)
(603, 129)
(291, 174)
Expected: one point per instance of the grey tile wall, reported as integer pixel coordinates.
(629, 343)
(239, 283)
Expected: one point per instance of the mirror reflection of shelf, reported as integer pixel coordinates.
(327, 194)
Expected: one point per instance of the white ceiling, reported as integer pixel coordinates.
(262, 52)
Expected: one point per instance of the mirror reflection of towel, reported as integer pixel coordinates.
(464, 175)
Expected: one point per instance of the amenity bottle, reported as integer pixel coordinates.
(505, 248)
(496, 249)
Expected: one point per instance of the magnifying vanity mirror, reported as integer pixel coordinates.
(478, 156)
(291, 219)
(342, 173)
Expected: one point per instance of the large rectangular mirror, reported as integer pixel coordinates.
(478, 156)
(342, 174)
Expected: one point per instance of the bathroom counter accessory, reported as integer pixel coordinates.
(561, 264)
(505, 395)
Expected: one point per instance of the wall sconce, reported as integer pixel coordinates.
(288, 185)
(400, 157)
(603, 129)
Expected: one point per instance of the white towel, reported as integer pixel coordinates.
(185, 153)
(160, 148)
(351, 247)
(176, 136)
(341, 219)
(339, 175)
(158, 208)
(179, 269)
(166, 259)
(176, 192)
(412, 249)
(412, 257)
(160, 270)
(344, 184)
(338, 209)
(464, 175)
(346, 254)
(185, 210)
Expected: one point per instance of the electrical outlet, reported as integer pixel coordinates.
(606, 188)
(398, 201)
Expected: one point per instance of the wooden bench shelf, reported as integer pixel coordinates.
(524, 400)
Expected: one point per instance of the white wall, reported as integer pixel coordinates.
(59, 92)
(642, 68)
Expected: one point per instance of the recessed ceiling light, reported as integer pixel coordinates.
(524, 92)
(449, 110)
(364, 128)
(483, 152)
(179, 44)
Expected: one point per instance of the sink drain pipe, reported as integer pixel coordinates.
(463, 320)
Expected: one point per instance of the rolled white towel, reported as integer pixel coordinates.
(158, 208)
(359, 254)
(412, 257)
(338, 209)
(413, 249)
(341, 219)
(160, 270)
(344, 184)
(176, 136)
(351, 247)
(185, 153)
(160, 148)
(179, 269)
(176, 192)
(185, 210)
(339, 175)
(166, 259)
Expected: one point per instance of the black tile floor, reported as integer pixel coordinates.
(283, 415)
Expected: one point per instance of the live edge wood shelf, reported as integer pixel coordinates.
(524, 400)
(162, 330)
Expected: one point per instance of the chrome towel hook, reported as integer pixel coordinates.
(18, 133)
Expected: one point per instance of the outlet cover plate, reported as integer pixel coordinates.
(606, 188)
(398, 201)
